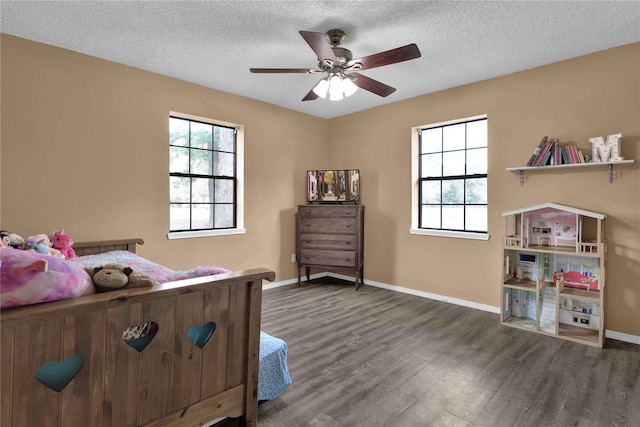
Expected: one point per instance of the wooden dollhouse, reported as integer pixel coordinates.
(554, 272)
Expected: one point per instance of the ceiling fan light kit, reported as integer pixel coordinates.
(337, 85)
(337, 62)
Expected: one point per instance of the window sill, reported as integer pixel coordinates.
(454, 234)
(205, 233)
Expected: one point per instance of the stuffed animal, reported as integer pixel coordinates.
(36, 247)
(62, 242)
(41, 244)
(13, 240)
(114, 277)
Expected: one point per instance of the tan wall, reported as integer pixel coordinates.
(84, 147)
(573, 100)
(96, 134)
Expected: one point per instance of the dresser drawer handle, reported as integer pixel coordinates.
(348, 242)
(307, 211)
(307, 240)
(308, 224)
(306, 256)
(348, 212)
(348, 225)
(347, 258)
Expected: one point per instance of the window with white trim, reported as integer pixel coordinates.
(203, 177)
(452, 179)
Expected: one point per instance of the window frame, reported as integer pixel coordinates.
(238, 228)
(416, 204)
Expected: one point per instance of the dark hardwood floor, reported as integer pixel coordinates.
(381, 358)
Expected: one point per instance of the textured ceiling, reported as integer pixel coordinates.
(214, 43)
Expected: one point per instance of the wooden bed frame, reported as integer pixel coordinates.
(172, 382)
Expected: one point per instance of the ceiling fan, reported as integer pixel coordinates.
(342, 78)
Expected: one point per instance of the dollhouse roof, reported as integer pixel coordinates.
(549, 206)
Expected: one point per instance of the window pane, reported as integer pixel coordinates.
(179, 190)
(224, 164)
(477, 161)
(224, 216)
(200, 154)
(453, 163)
(180, 219)
(476, 218)
(178, 160)
(431, 192)
(201, 135)
(430, 217)
(453, 176)
(453, 137)
(477, 134)
(178, 132)
(431, 140)
(202, 190)
(431, 165)
(453, 191)
(476, 191)
(453, 217)
(202, 216)
(224, 191)
(224, 139)
(201, 161)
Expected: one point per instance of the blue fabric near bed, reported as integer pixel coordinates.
(273, 374)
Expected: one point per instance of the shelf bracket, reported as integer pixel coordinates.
(610, 173)
(521, 175)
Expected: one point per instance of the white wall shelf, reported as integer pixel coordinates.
(520, 170)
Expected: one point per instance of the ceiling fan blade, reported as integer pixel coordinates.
(285, 70)
(372, 85)
(320, 45)
(310, 96)
(392, 56)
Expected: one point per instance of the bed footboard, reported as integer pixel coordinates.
(66, 363)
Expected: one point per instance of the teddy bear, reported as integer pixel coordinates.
(62, 242)
(114, 277)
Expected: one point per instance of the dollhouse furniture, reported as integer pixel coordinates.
(331, 236)
(556, 285)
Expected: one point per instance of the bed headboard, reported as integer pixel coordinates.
(100, 246)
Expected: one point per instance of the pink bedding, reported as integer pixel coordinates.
(30, 278)
(159, 272)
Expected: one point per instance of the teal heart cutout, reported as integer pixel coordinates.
(57, 375)
(138, 337)
(200, 335)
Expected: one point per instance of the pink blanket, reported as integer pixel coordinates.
(159, 272)
(29, 278)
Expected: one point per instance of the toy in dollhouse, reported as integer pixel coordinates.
(548, 227)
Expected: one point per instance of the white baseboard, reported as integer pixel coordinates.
(272, 285)
(620, 336)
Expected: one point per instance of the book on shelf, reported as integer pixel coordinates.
(580, 156)
(542, 155)
(565, 156)
(537, 151)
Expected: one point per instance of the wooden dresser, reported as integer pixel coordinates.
(331, 236)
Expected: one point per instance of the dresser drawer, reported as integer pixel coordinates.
(341, 225)
(328, 241)
(328, 258)
(328, 211)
